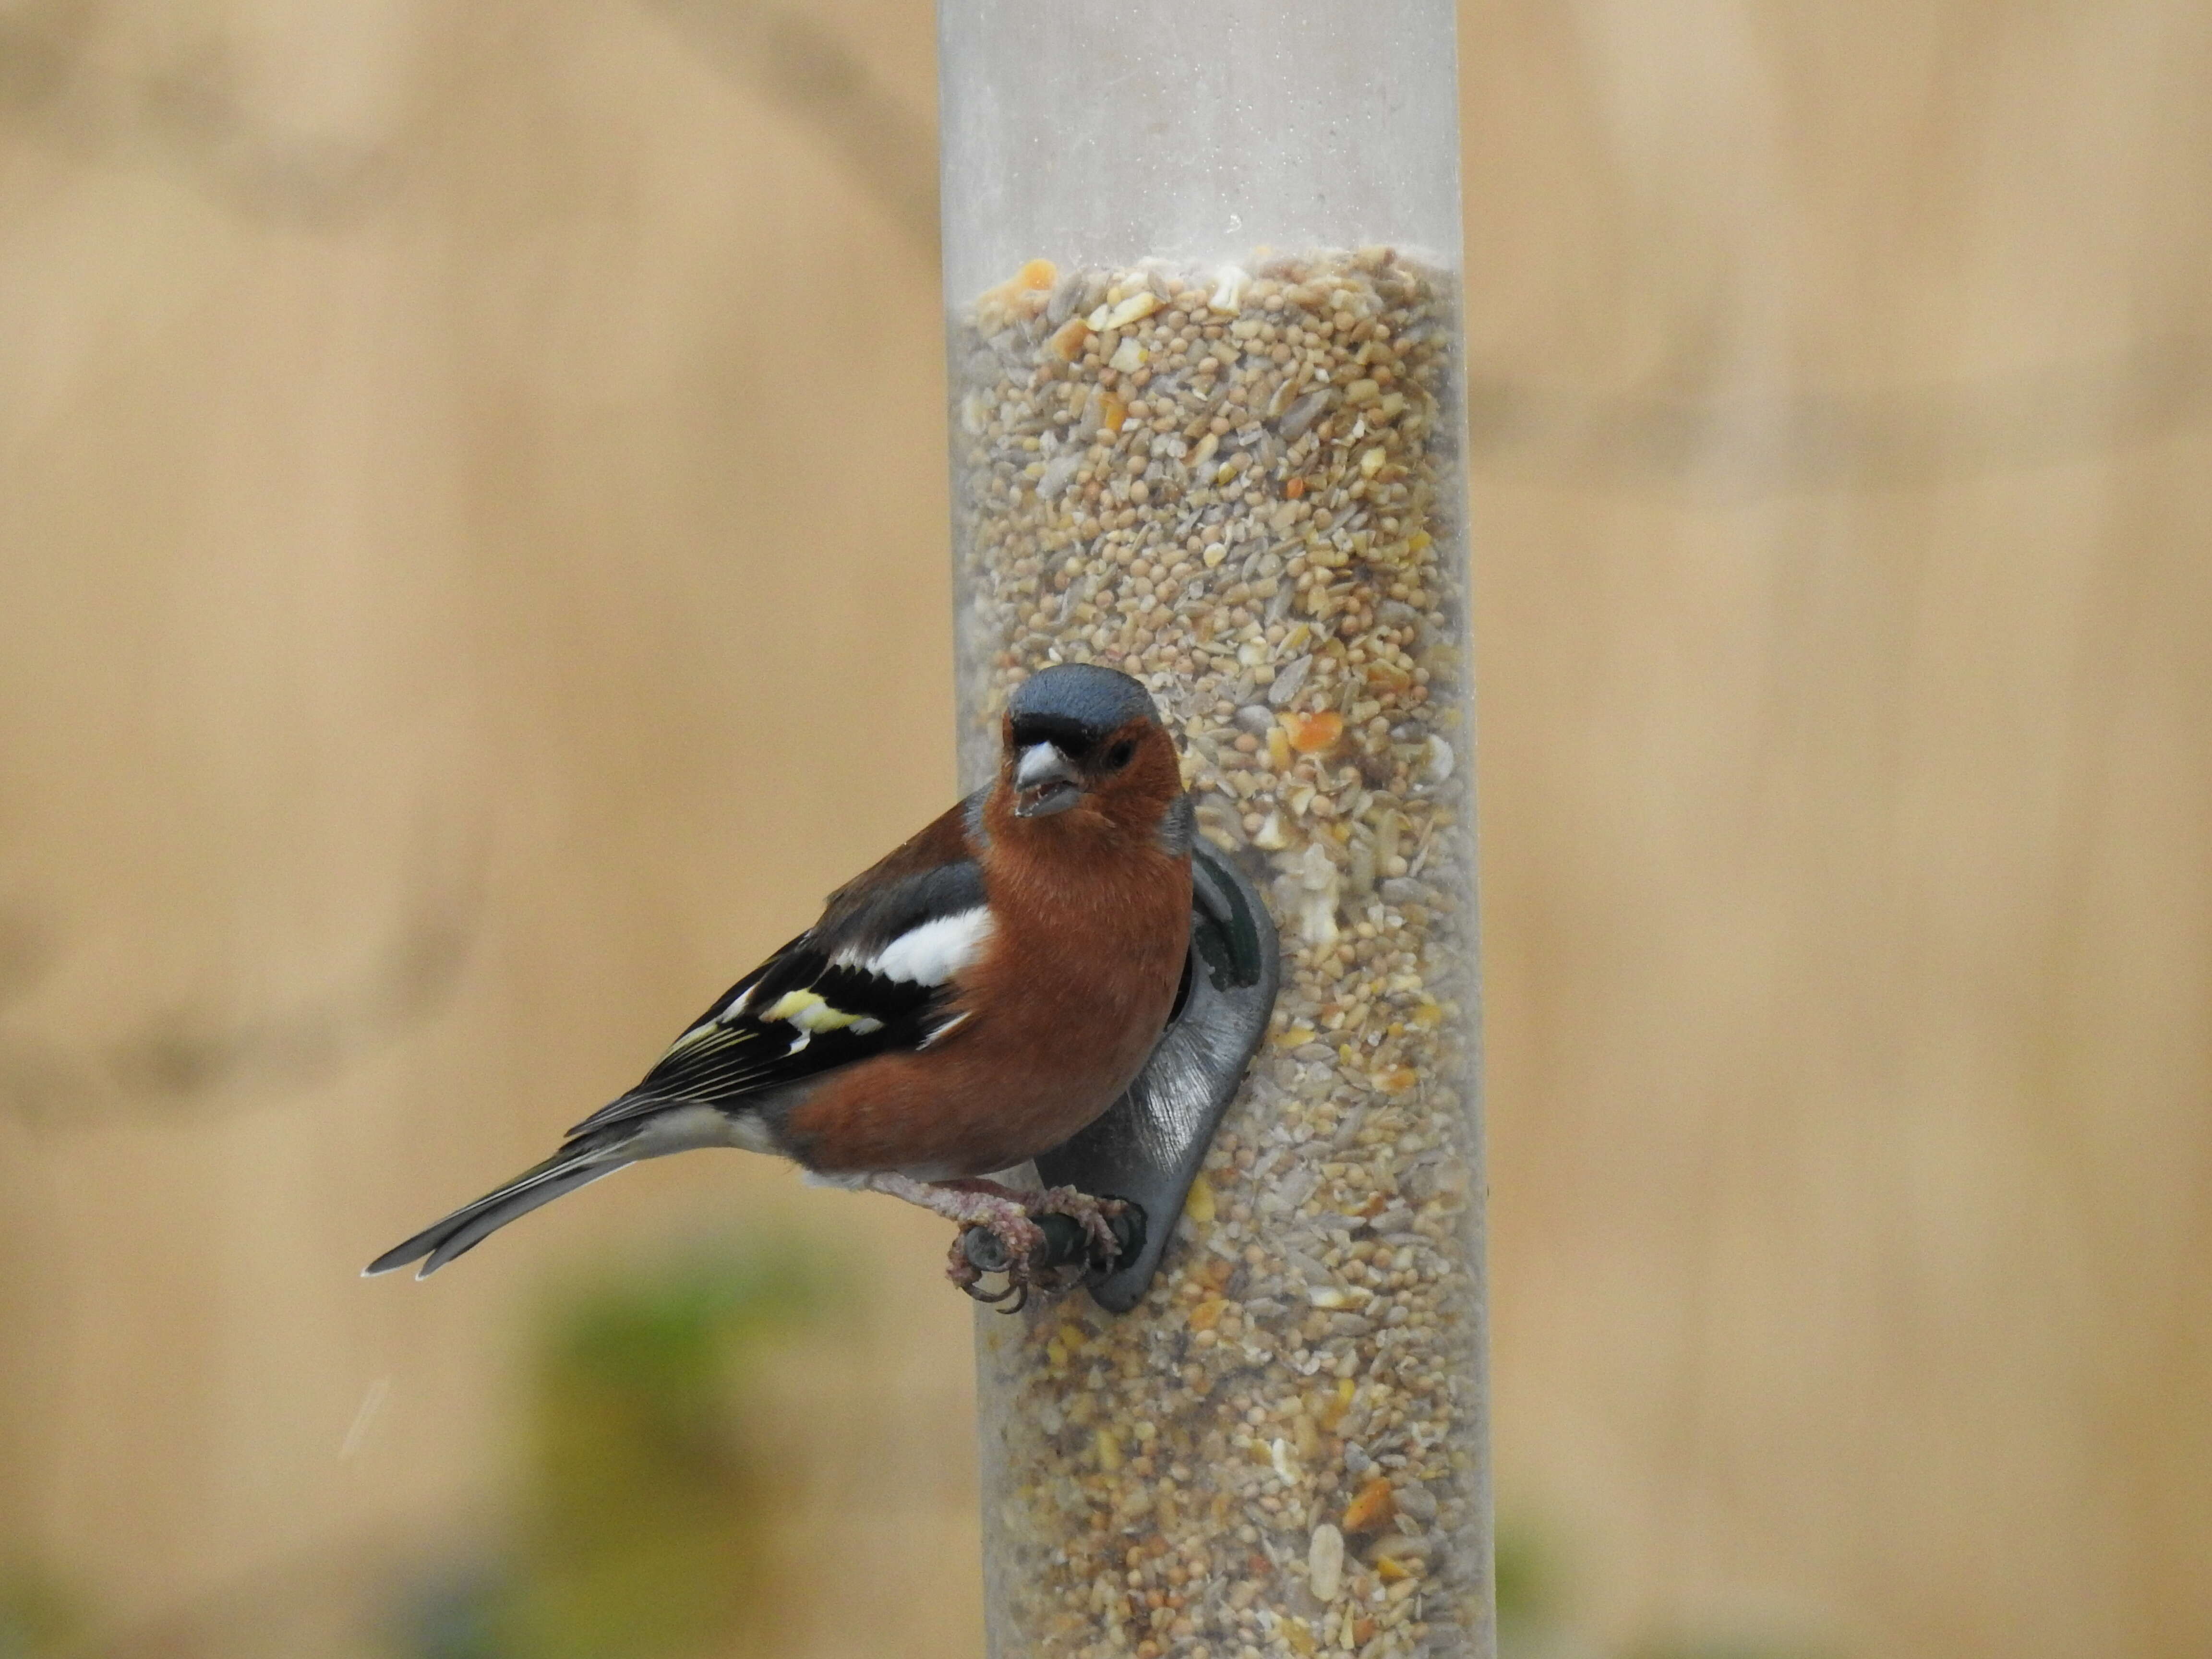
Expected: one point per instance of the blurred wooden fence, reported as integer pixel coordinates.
(471, 571)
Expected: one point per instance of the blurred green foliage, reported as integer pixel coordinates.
(37, 1618)
(1723, 1648)
(646, 1521)
(1536, 1615)
(1527, 1589)
(1531, 1601)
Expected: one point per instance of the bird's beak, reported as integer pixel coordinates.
(1044, 782)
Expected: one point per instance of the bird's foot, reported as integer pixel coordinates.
(1078, 1240)
(1096, 1214)
(986, 1205)
(960, 1268)
(1017, 1246)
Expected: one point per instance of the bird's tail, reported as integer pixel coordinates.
(576, 1164)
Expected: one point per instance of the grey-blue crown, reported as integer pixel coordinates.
(1079, 701)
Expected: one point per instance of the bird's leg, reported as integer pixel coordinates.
(1009, 1216)
(974, 1204)
(1094, 1214)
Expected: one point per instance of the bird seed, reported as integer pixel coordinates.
(1245, 490)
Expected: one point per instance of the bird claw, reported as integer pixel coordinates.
(969, 1277)
(1020, 1241)
(1094, 1213)
(1019, 1246)
(1024, 1247)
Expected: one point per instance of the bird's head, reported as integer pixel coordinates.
(1079, 735)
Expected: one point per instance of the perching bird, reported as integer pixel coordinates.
(971, 1001)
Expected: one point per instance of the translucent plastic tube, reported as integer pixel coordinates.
(1201, 260)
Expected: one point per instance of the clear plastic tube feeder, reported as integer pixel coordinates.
(1201, 266)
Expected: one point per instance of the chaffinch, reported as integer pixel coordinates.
(971, 1001)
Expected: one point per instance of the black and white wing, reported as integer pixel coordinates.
(874, 977)
(877, 974)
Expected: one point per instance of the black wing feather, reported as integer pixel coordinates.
(727, 1058)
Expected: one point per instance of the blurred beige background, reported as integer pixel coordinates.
(473, 575)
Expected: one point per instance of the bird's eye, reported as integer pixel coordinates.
(1119, 756)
